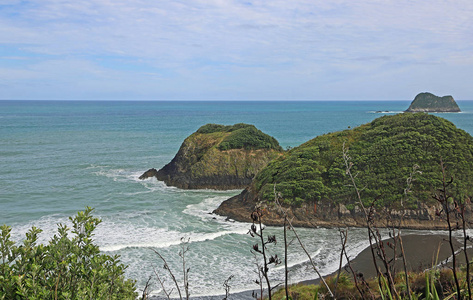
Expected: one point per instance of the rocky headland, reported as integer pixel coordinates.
(333, 215)
(219, 157)
(395, 161)
(427, 102)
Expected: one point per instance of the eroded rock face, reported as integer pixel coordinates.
(427, 102)
(219, 157)
(328, 215)
(150, 173)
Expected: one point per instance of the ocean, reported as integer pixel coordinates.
(57, 157)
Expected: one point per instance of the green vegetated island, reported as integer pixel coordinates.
(311, 178)
(313, 183)
(428, 102)
(219, 157)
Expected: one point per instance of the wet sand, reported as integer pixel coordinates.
(421, 252)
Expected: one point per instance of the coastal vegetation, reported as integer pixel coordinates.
(68, 267)
(241, 136)
(219, 157)
(383, 154)
(438, 282)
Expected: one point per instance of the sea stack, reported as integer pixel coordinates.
(219, 157)
(427, 102)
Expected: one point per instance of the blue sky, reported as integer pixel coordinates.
(235, 50)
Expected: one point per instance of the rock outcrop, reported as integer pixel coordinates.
(150, 173)
(427, 102)
(219, 157)
(388, 156)
(330, 215)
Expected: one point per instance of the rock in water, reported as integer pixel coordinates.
(148, 174)
(427, 102)
(220, 157)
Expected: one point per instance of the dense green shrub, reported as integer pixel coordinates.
(68, 267)
(211, 128)
(241, 136)
(383, 154)
(249, 138)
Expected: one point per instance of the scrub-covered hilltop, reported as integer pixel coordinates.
(312, 178)
(219, 157)
(427, 102)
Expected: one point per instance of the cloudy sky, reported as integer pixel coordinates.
(232, 49)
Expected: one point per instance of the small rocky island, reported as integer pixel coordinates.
(219, 157)
(427, 102)
(395, 161)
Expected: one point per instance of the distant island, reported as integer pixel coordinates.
(428, 102)
(219, 157)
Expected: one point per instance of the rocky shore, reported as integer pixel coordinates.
(322, 214)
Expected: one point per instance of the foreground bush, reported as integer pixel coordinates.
(68, 267)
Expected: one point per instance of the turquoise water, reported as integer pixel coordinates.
(57, 157)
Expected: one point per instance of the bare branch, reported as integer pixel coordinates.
(166, 267)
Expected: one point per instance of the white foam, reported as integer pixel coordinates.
(205, 207)
(115, 174)
(303, 260)
(48, 225)
(168, 239)
(124, 175)
(386, 112)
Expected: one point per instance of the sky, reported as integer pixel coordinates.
(235, 50)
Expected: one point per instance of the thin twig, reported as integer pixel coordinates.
(161, 282)
(305, 250)
(227, 286)
(465, 239)
(185, 271)
(166, 267)
(343, 239)
(144, 296)
(442, 197)
(373, 233)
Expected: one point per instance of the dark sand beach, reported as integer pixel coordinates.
(422, 252)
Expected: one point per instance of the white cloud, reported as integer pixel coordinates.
(287, 42)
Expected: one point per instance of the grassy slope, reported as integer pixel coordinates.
(383, 154)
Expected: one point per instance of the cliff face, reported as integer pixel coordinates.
(387, 156)
(427, 102)
(219, 157)
(333, 215)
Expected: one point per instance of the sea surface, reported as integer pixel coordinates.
(57, 157)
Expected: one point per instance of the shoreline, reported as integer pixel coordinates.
(334, 215)
(423, 251)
